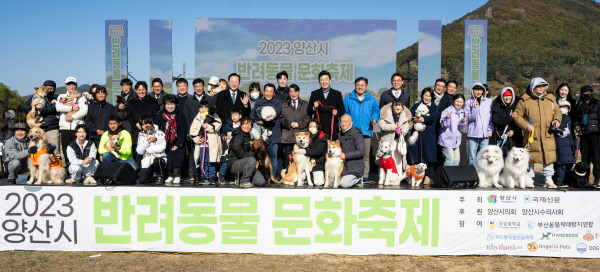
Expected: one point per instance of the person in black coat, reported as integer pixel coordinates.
(586, 123)
(241, 156)
(49, 115)
(225, 99)
(190, 108)
(282, 91)
(96, 119)
(172, 122)
(317, 150)
(140, 106)
(566, 148)
(327, 104)
(503, 107)
(395, 92)
(182, 92)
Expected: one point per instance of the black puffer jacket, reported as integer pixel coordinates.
(48, 112)
(239, 147)
(137, 108)
(501, 118)
(591, 110)
(317, 149)
(353, 146)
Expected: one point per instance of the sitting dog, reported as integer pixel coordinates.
(421, 111)
(114, 139)
(263, 161)
(515, 170)
(579, 177)
(488, 165)
(388, 169)
(416, 174)
(334, 165)
(39, 98)
(266, 114)
(300, 166)
(43, 165)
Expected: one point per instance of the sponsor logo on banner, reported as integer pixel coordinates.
(588, 236)
(505, 224)
(548, 235)
(527, 199)
(503, 247)
(581, 248)
(502, 199)
(553, 247)
(530, 224)
(510, 237)
(533, 246)
(492, 224)
(491, 199)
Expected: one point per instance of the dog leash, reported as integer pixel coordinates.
(203, 154)
(578, 136)
(332, 118)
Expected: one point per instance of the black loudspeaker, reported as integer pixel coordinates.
(456, 177)
(116, 173)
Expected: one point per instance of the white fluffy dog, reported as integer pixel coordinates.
(416, 174)
(421, 111)
(388, 168)
(267, 114)
(516, 166)
(489, 163)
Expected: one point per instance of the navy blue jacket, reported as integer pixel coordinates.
(565, 147)
(97, 118)
(272, 125)
(424, 148)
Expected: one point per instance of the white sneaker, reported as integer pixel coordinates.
(89, 180)
(169, 180)
(550, 184)
(177, 180)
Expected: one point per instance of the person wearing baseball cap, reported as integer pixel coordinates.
(49, 115)
(16, 152)
(73, 108)
(536, 112)
(586, 122)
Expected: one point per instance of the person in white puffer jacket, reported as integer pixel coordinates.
(151, 144)
(73, 108)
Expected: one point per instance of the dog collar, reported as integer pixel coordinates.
(387, 154)
(579, 174)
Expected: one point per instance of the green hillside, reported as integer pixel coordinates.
(558, 40)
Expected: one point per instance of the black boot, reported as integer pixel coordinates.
(12, 181)
(195, 181)
(158, 181)
(212, 181)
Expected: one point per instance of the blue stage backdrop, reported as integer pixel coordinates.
(258, 49)
(430, 52)
(116, 56)
(161, 52)
(475, 53)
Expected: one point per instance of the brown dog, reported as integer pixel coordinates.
(39, 97)
(261, 154)
(334, 165)
(301, 165)
(43, 167)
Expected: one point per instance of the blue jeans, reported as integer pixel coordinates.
(474, 145)
(273, 155)
(451, 156)
(206, 169)
(109, 157)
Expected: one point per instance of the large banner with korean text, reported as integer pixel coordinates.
(258, 49)
(300, 221)
(475, 53)
(115, 45)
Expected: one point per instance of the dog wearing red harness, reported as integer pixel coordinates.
(388, 169)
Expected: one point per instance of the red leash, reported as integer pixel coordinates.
(332, 118)
(577, 135)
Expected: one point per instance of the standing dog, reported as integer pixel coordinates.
(39, 97)
(388, 169)
(43, 167)
(516, 166)
(261, 154)
(301, 166)
(488, 165)
(333, 164)
(416, 174)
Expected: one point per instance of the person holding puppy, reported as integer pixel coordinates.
(353, 152)
(82, 157)
(269, 100)
(207, 144)
(65, 106)
(123, 145)
(16, 152)
(151, 146)
(537, 112)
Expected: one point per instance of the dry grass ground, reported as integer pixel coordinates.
(81, 261)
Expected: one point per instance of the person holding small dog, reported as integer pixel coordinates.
(566, 148)
(71, 114)
(452, 122)
(421, 151)
(294, 118)
(171, 121)
(393, 122)
(241, 156)
(82, 157)
(122, 147)
(16, 152)
(207, 144)
(353, 152)
(151, 145)
(317, 150)
(537, 112)
(586, 124)
(49, 115)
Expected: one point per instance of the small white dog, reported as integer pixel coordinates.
(267, 114)
(416, 174)
(421, 111)
(488, 164)
(334, 164)
(388, 169)
(516, 166)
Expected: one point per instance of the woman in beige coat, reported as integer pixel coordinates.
(206, 155)
(393, 126)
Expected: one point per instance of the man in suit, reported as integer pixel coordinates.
(227, 100)
(159, 94)
(327, 104)
(395, 92)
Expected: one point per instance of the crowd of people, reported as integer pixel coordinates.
(206, 136)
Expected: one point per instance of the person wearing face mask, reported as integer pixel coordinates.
(255, 94)
(536, 112)
(586, 123)
(506, 133)
(479, 117)
(424, 149)
(294, 118)
(565, 146)
(317, 150)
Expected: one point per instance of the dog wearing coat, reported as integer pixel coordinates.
(388, 169)
(301, 166)
(334, 165)
(43, 165)
(421, 111)
(38, 98)
(515, 170)
(416, 174)
(488, 164)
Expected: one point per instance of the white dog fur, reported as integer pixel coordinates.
(267, 114)
(421, 111)
(515, 170)
(386, 176)
(488, 164)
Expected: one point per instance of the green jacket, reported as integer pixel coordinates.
(124, 141)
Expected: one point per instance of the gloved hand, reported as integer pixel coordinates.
(33, 150)
(300, 151)
(398, 131)
(51, 148)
